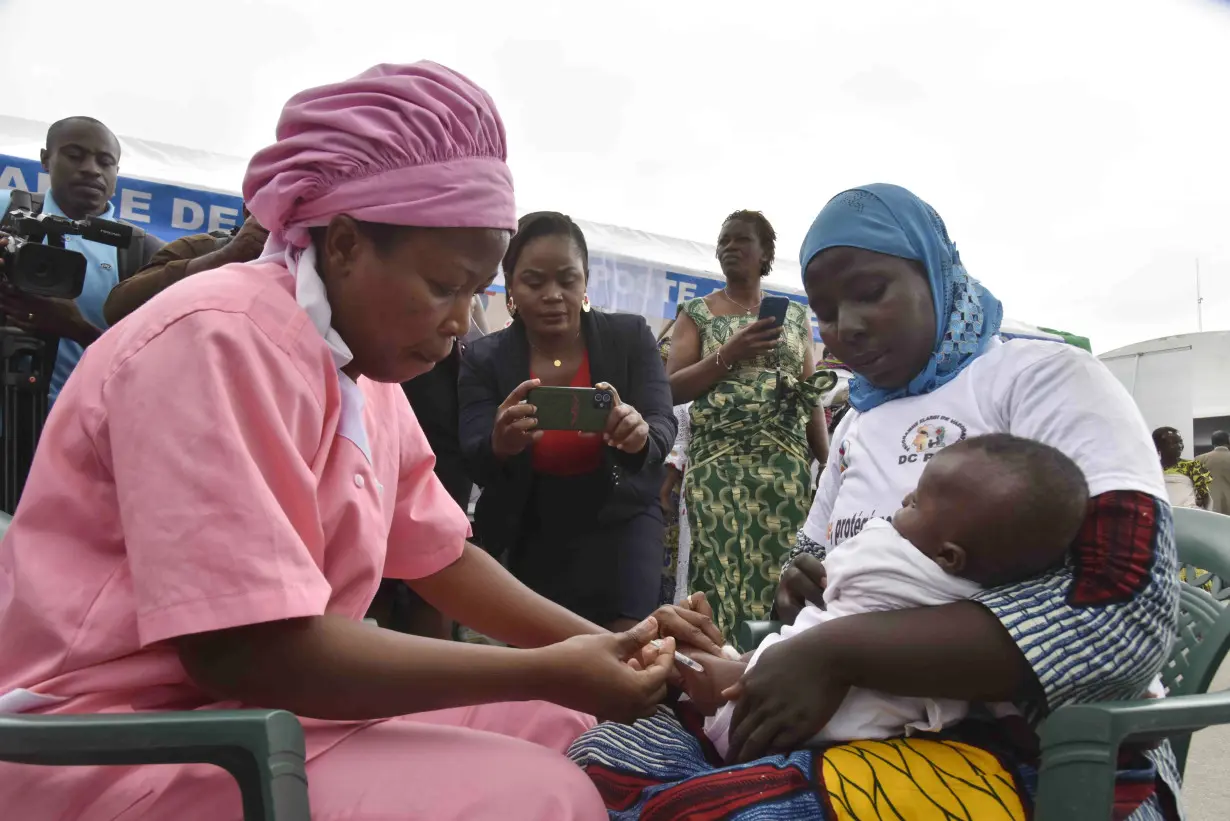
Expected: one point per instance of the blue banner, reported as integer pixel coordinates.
(172, 211)
(166, 211)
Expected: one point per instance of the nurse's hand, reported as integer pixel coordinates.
(690, 624)
(802, 583)
(600, 674)
(515, 424)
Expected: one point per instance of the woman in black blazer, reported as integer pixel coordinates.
(575, 518)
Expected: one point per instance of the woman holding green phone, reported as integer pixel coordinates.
(575, 515)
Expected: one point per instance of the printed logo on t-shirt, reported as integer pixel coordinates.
(843, 456)
(847, 528)
(927, 436)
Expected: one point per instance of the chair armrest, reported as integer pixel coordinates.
(1080, 747)
(262, 749)
(751, 633)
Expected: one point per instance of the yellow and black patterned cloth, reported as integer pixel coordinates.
(1198, 473)
(917, 778)
(663, 769)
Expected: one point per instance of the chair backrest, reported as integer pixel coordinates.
(1203, 639)
(1203, 542)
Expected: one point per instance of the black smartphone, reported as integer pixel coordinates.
(774, 307)
(579, 409)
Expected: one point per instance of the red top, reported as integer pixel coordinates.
(566, 452)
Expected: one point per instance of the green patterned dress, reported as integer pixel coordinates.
(748, 485)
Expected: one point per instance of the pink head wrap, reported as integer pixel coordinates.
(415, 145)
(400, 144)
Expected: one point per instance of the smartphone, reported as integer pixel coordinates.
(774, 307)
(579, 409)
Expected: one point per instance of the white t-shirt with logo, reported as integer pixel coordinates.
(1046, 391)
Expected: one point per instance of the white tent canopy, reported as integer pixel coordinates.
(175, 190)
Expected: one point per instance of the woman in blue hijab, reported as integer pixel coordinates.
(888, 221)
(896, 305)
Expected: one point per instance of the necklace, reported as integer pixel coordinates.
(559, 363)
(746, 309)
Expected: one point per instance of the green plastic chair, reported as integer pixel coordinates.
(1080, 743)
(263, 750)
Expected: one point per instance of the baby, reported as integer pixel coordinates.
(987, 511)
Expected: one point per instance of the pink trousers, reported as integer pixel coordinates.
(496, 761)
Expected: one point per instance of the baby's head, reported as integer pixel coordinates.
(995, 509)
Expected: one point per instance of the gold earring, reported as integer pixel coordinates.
(585, 304)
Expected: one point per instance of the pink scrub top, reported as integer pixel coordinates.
(207, 467)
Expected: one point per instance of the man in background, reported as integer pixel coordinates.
(181, 259)
(82, 158)
(1187, 481)
(1217, 463)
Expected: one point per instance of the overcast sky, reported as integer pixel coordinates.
(1079, 150)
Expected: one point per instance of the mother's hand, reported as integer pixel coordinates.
(788, 697)
(803, 582)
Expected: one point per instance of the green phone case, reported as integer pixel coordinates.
(580, 409)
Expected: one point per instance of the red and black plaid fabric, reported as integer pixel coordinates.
(1115, 549)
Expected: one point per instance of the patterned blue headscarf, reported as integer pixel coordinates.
(888, 219)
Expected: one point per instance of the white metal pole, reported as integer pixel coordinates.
(1199, 301)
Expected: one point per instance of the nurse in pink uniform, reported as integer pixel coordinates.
(233, 468)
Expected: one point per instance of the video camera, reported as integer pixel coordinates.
(50, 269)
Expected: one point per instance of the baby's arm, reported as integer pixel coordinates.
(705, 689)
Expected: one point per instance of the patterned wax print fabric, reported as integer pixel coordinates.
(662, 768)
(1201, 479)
(670, 556)
(748, 485)
(1098, 629)
(980, 770)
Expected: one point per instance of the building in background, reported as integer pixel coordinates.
(1181, 382)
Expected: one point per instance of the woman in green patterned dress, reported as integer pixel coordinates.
(756, 425)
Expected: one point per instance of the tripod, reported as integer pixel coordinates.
(26, 365)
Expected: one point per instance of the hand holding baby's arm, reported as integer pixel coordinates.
(788, 697)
